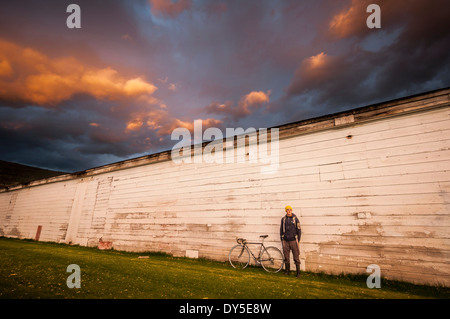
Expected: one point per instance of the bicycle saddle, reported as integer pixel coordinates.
(264, 236)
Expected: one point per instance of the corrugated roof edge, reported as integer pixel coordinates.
(405, 105)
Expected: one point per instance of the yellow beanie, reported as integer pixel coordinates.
(287, 207)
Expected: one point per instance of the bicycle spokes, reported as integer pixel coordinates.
(272, 259)
(239, 257)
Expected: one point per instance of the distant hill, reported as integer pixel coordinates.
(13, 174)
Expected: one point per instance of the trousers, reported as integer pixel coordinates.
(287, 247)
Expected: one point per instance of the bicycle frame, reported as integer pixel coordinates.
(261, 249)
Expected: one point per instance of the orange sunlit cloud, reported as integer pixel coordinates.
(318, 60)
(153, 120)
(253, 100)
(5, 68)
(246, 105)
(314, 70)
(256, 97)
(134, 125)
(173, 124)
(352, 20)
(161, 121)
(28, 76)
(343, 23)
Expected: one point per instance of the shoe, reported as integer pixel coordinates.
(287, 269)
(298, 270)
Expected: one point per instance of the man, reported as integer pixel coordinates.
(290, 233)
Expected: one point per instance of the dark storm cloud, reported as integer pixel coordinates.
(36, 136)
(69, 138)
(408, 55)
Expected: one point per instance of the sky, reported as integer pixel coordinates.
(116, 88)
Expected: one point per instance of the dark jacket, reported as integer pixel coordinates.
(290, 228)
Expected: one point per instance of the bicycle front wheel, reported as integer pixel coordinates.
(272, 259)
(239, 257)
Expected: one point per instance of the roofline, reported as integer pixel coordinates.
(406, 105)
(374, 107)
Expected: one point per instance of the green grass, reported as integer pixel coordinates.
(32, 269)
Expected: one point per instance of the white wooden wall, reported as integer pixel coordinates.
(366, 193)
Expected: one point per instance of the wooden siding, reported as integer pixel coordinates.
(371, 191)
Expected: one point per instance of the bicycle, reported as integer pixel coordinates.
(270, 258)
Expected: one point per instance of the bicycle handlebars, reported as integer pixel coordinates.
(244, 241)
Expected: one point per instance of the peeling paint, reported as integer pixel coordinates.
(14, 232)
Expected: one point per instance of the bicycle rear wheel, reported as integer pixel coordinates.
(272, 259)
(239, 257)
